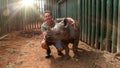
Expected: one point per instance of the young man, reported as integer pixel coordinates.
(49, 23)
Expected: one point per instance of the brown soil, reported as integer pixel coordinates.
(17, 51)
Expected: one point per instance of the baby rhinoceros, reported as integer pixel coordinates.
(66, 33)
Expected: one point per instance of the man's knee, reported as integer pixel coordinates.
(60, 49)
(44, 45)
(59, 46)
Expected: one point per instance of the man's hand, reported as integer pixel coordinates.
(74, 25)
(44, 34)
(72, 21)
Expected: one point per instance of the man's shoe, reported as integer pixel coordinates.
(60, 53)
(47, 56)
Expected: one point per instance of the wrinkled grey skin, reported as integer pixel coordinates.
(64, 32)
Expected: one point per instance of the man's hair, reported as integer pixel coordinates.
(47, 11)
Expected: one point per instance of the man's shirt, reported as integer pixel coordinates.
(45, 26)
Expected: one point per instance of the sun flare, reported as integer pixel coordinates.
(27, 3)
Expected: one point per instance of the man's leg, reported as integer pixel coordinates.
(48, 51)
(60, 53)
(47, 48)
(59, 47)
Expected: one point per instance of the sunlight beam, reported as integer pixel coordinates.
(27, 3)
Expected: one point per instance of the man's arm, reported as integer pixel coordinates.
(43, 29)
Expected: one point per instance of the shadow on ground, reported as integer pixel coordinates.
(86, 59)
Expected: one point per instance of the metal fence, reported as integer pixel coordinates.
(99, 19)
(17, 15)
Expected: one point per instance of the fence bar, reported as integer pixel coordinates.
(83, 20)
(109, 24)
(115, 26)
(1, 18)
(89, 20)
(118, 39)
(79, 16)
(103, 24)
(98, 20)
(86, 20)
(93, 23)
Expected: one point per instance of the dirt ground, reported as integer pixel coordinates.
(22, 51)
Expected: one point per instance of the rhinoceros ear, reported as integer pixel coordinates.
(66, 23)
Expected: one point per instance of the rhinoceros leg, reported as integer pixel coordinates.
(75, 47)
(66, 51)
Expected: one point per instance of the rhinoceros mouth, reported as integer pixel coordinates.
(49, 38)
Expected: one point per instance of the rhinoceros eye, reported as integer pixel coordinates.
(57, 33)
(64, 29)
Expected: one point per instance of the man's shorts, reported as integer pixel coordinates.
(57, 44)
